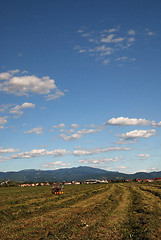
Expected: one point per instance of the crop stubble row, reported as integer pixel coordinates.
(114, 211)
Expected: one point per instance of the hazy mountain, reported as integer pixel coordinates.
(69, 174)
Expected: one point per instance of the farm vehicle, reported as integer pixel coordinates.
(58, 188)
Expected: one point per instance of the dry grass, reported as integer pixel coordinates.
(113, 211)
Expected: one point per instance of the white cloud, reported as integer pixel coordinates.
(53, 164)
(149, 170)
(98, 150)
(150, 33)
(19, 54)
(69, 131)
(27, 105)
(74, 125)
(2, 127)
(104, 50)
(110, 39)
(86, 35)
(139, 134)
(5, 107)
(143, 156)
(80, 31)
(72, 137)
(78, 147)
(116, 42)
(143, 170)
(122, 58)
(154, 168)
(56, 95)
(27, 84)
(88, 131)
(37, 153)
(106, 61)
(61, 125)
(121, 167)
(14, 71)
(131, 32)
(82, 51)
(99, 160)
(79, 134)
(131, 39)
(157, 124)
(122, 121)
(8, 150)
(23, 85)
(123, 141)
(112, 30)
(5, 76)
(3, 120)
(37, 130)
(61, 130)
(18, 108)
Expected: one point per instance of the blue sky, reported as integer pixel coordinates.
(80, 85)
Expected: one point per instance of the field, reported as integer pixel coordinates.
(98, 211)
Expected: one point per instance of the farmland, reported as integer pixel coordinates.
(96, 211)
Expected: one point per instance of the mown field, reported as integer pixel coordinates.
(98, 211)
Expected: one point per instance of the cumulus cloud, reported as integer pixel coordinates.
(157, 124)
(122, 58)
(37, 130)
(79, 134)
(131, 39)
(18, 108)
(61, 125)
(73, 137)
(123, 141)
(111, 30)
(2, 127)
(2, 109)
(54, 164)
(99, 160)
(68, 131)
(3, 120)
(106, 61)
(131, 32)
(5, 75)
(122, 121)
(8, 150)
(37, 153)
(27, 84)
(143, 156)
(104, 50)
(55, 95)
(74, 125)
(98, 150)
(116, 41)
(88, 131)
(121, 167)
(125, 121)
(150, 33)
(110, 39)
(139, 134)
(14, 71)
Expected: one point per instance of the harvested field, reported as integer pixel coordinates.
(98, 211)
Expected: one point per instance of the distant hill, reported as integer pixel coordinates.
(69, 174)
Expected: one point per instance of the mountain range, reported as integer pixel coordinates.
(68, 174)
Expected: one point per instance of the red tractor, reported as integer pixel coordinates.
(58, 188)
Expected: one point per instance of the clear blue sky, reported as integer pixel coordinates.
(80, 84)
